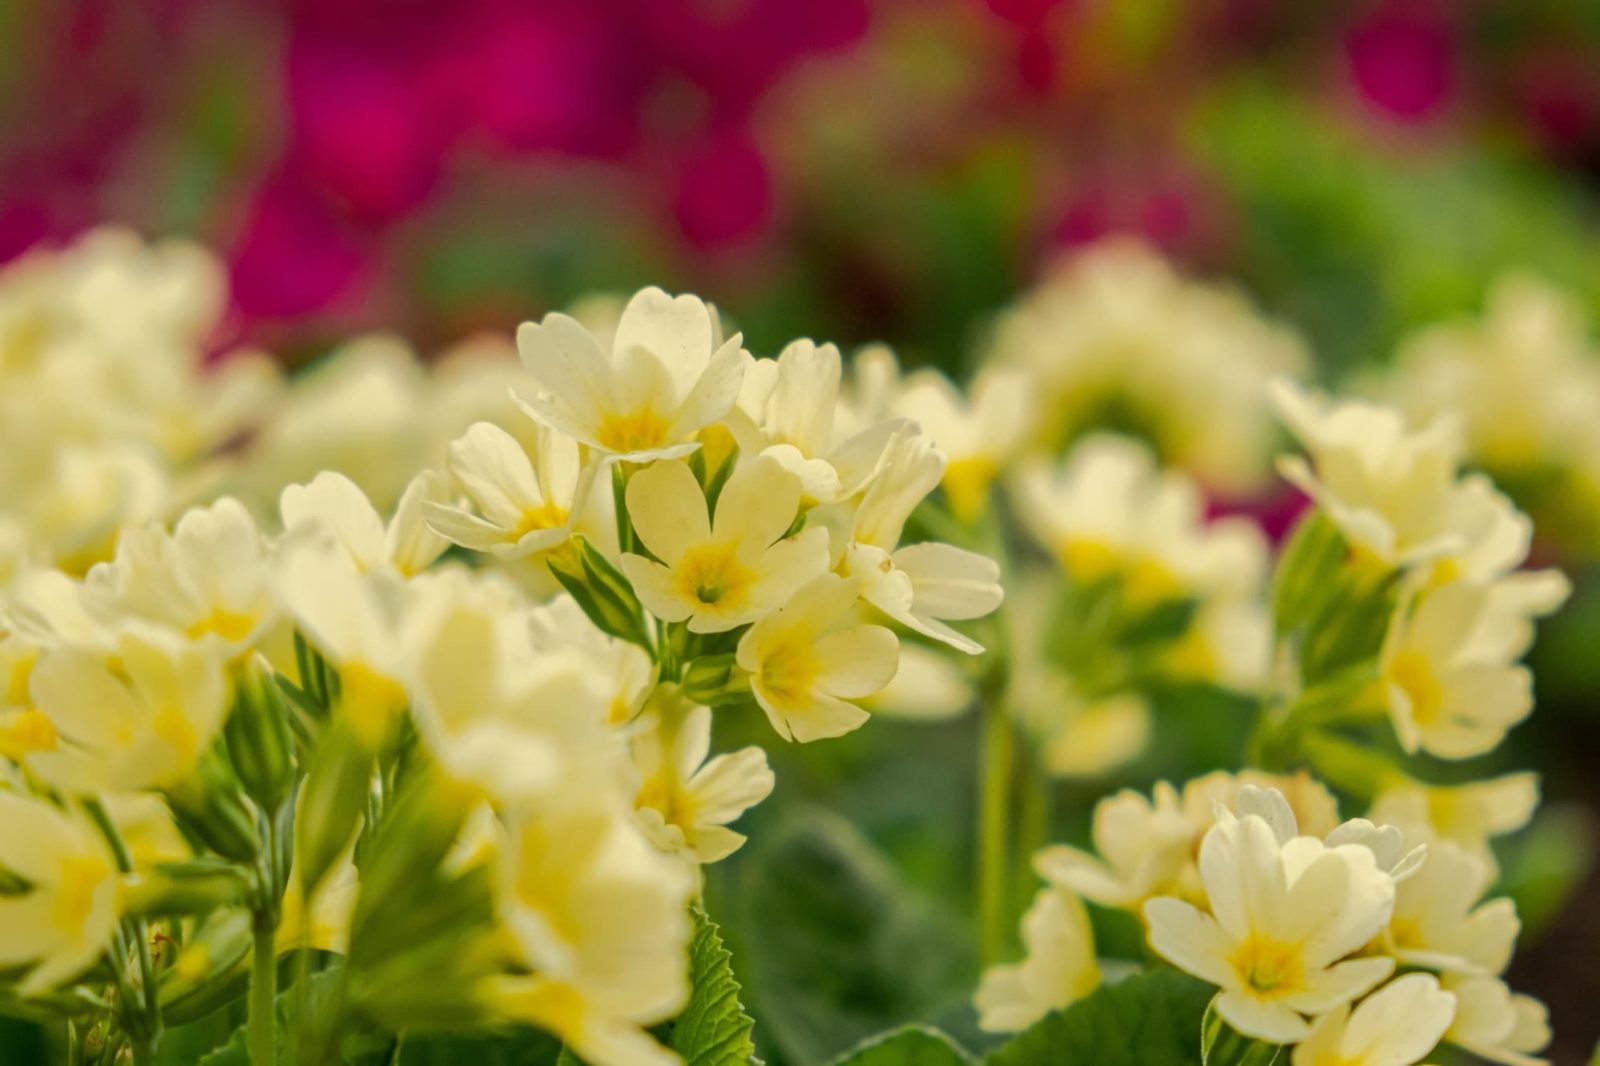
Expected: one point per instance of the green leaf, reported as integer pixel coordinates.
(914, 1045)
(839, 948)
(1151, 1019)
(714, 1029)
(524, 1047)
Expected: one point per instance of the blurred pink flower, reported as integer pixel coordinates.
(1402, 59)
(293, 255)
(724, 192)
(541, 78)
(363, 126)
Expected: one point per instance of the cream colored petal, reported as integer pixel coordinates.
(1189, 939)
(80, 695)
(566, 361)
(950, 582)
(676, 330)
(731, 784)
(410, 543)
(757, 505)
(495, 471)
(788, 565)
(854, 663)
(1265, 1021)
(668, 510)
(333, 501)
(656, 588)
(1399, 1024)
(713, 395)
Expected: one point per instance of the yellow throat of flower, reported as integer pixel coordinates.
(1413, 674)
(634, 431)
(1268, 968)
(713, 577)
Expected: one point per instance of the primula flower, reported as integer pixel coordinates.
(64, 921)
(1398, 1025)
(810, 658)
(623, 669)
(1109, 512)
(527, 503)
(668, 376)
(516, 725)
(1284, 911)
(1060, 967)
(789, 410)
(137, 717)
(601, 919)
(209, 579)
(336, 505)
(920, 586)
(1394, 490)
(1468, 814)
(1442, 698)
(1439, 922)
(721, 572)
(686, 799)
(1116, 339)
(354, 619)
(1496, 1023)
(979, 430)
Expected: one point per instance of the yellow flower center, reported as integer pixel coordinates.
(232, 626)
(547, 515)
(1268, 967)
(17, 677)
(1413, 674)
(73, 897)
(632, 432)
(174, 727)
(661, 792)
(25, 732)
(1089, 559)
(966, 485)
(789, 672)
(712, 576)
(370, 700)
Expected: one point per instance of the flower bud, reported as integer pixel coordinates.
(332, 800)
(603, 592)
(209, 969)
(258, 737)
(212, 806)
(714, 680)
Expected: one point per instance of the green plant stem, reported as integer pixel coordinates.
(996, 752)
(619, 497)
(263, 992)
(1033, 822)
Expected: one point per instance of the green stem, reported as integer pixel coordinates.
(994, 794)
(619, 496)
(1033, 823)
(263, 992)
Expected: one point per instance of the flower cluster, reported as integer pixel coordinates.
(1398, 608)
(447, 708)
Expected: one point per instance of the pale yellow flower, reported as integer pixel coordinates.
(920, 586)
(1442, 697)
(1440, 922)
(1285, 912)
(601, 918)
(1469, 814)
(137, 717)
(721, 572)
(686, 798)
(1059, 968)
(665, 378)
(810, 659)
(209, 579)
(1398, 1025)
(1496, 1023)
(63, 922)
(335, 505)
(524, 503)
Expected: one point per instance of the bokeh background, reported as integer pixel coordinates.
(857, 170)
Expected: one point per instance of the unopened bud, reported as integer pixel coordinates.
(260, 744)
